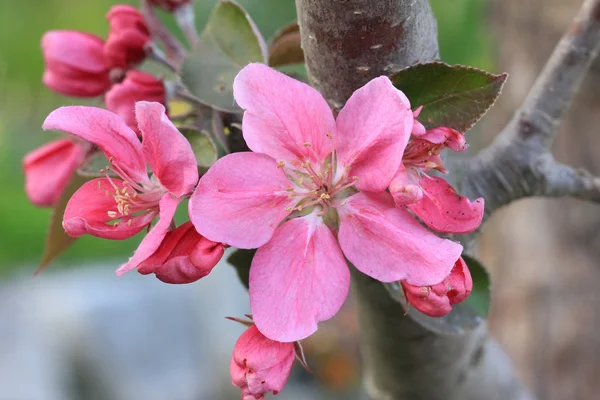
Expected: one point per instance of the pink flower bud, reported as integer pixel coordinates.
(437, 300)
(183, 256)
(75, 63)
(49, 168)
(137, 86)
(260, 365)
(127, 38)
(169, 5)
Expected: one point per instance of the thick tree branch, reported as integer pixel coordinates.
(347, 43)
(519, 163)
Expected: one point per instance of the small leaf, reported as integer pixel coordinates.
(202, 145)
(228, 43)
(285, 48)
(57, 240)
(464, 316)
(455, 96)
(241, 261)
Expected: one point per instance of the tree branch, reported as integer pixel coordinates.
(519, 163)
(347, 43)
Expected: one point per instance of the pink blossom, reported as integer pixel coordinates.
(49, 168)
(114, 208)
(170, 5)
(431, 198)
(75, 63)
(128, 37)
(260, 365)
(183, 256)
(311, 192)
(437, 300)
(137, 86)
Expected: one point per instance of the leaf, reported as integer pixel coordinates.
(203, 146)
(241, 261)
(285, 48)
(228, 43)
(57, 240)
(455, 96)
(93, 166)
(464, 316)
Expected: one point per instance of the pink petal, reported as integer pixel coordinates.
(388, 244)
(166, 150)
(282, 114)
(106, 130)
(447, 136)
(88, 208)
(241, 200)
(404, 187)
(297, 279)
(152, 241)
(373, 128)
(444, 210)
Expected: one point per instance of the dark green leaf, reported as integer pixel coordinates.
(454, 96)
(57, 240)
(228, 43)
(202, 145)
(241, 260)
(285, 48)
(464, 316)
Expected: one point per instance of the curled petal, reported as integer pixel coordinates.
(418, 128)
(241, 200)
(446, 136)
(152, 241)
(284, 118)
(388, 244)
(107, 131)
(404, 187)
(297, 279)
(373, 129)
(166, 150)
(444, 210)
(88, 210)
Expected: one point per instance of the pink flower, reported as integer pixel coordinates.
(127, 38)
(170, 5)
(114, 208)
(183, 256)
(437, 300)
(75, 63)
(311, 192)
(260, 365)
(49, 168)
(137, 86)
(431, 198)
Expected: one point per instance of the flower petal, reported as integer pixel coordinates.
(297, 279)
(282, 114)
(374, 127)
(404, 187)
(152, 241)
(241, 200)
(106, 130)
(388, 244)
(444, 210)
(447, 136)
(167, 151)
(88, 208)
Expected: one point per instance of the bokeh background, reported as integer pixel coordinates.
(78, 332)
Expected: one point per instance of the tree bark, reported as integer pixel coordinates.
(347, 43)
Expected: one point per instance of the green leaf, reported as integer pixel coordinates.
(228, 43)
(455, 96)
(57, 240)
(285, 48)
(241, 261)
(464, 316)
(203, 146)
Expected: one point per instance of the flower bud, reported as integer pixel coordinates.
(127, 38)
(137, 86)
(169, 5)
(49, 168)
(75, 63)
(437, 300)
(184, 256)
(260, 365)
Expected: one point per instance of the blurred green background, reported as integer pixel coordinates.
(25, 102)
